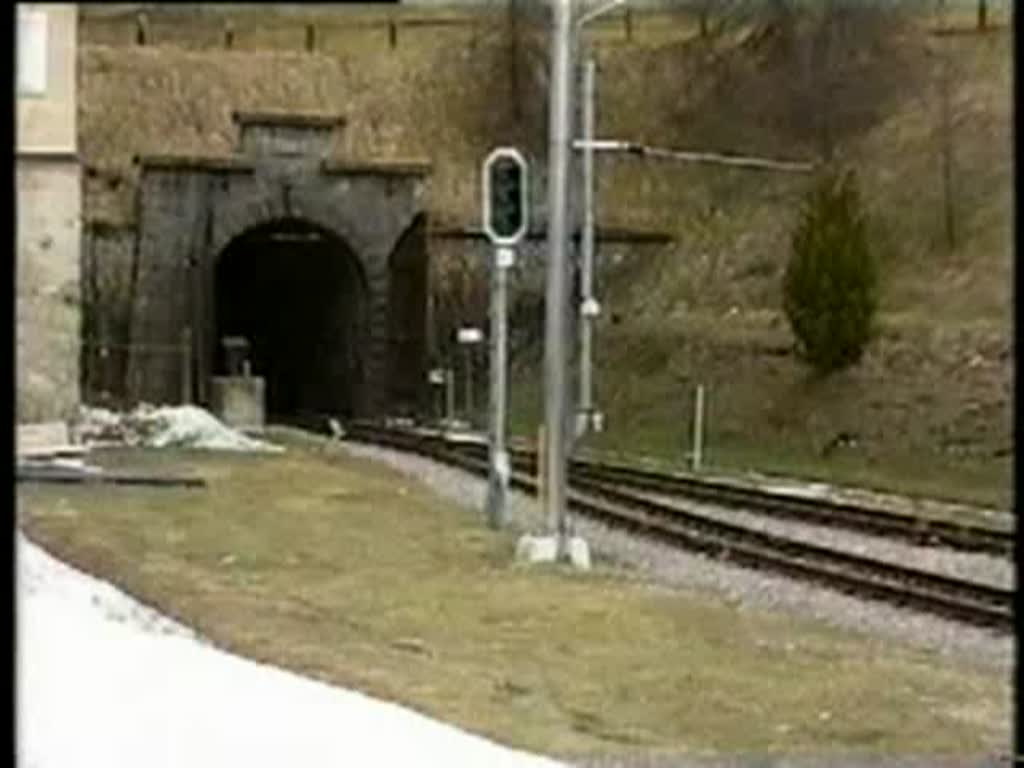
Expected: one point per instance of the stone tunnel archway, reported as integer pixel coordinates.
(297, 292)
(208, 231)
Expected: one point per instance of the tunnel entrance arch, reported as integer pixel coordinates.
(214, 235)
(297, 293)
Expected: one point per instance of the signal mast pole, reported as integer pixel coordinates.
(556, 304)
(559, 426)
(506, 220)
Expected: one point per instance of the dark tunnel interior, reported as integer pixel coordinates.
(296, 293)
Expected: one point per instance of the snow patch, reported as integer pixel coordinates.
(181, 426)
(102, 682)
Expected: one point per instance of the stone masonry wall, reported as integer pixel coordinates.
(48, 297)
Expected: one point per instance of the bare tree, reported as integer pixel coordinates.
(525, 35)
(108, 293)
(821, 76)
(853, 63)
(514, 47)
(946, 140)
(805, 78)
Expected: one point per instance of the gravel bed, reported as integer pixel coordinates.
(940, 510)
(824, 761)
(985, 569)
(747, 589)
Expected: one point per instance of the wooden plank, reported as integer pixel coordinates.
(66, 476)
(42, 437)
(56, 452)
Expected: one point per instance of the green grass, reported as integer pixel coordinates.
(353, 574)
(762, 417)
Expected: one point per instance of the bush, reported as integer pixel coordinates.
(830, 287)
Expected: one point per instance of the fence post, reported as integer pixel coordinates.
(698, 428)
(449, 396)
(541, 466)
(469, 386)
(186, 365)
(141, 29)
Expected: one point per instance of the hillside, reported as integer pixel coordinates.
(929, 409)
(446, 85)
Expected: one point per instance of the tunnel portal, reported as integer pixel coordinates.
(297, 294)
(319, 262)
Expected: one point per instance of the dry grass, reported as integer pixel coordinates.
(441, 104)
(732, 228)
(343, 570)
(930, 404)
(766, 413)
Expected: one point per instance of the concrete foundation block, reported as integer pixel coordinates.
(39, 438)
(240, 401)
(544, 549)
(537, 549)
(578, 553)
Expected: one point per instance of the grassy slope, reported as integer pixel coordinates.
(348, 572)
(930, 404)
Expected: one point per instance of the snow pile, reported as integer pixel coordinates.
(183, 426)
(99, 425)
(187, 426)
(96, 688)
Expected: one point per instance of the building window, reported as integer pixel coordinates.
(31, 43)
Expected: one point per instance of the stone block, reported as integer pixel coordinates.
(578, 553)
(240, 401)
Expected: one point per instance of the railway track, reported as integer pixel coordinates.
(603, 498)
(858, 518)
(914, 529)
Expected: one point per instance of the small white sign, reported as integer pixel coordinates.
(31, 44)
(470, 336)
(503, 466)
(506, 257)
(590, 308)
(436, 376)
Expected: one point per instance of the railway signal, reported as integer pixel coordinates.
(505, 220)
(506, 198)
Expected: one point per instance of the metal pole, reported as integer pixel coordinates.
(689, 156)
(586, 403)
(449, 395)
(469, 385)
(541, 464)
(186, 365)
(698, 428)
(556, 320)
(497, 487)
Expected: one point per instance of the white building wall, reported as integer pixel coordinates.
(48, 214)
